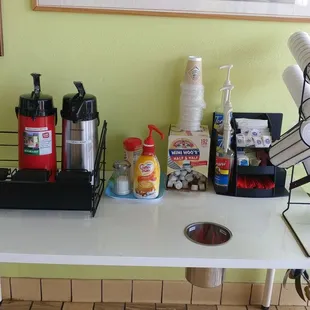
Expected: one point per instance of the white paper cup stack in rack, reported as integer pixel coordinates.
(291, 148)
(299, 45)
(294, 81)
(192, 96)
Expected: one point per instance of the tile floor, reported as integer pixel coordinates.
(36, 305)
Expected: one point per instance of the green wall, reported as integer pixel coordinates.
(134, 65)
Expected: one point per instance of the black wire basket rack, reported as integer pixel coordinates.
(28, 189)
(306, 179)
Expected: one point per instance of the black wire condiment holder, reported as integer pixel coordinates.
(72, 190)
(304, 180)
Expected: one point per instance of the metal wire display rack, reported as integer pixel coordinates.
(71, 191)
(302, 181)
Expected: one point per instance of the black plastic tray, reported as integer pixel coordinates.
(251, 170)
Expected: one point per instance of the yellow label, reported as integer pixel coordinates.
(147, 177)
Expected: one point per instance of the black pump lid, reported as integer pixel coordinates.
(80, 106)
(36, 104)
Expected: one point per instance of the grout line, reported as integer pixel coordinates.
(281, 288)
(191, 298)
(281, 291)
(10, 288)
(251, 292)
(41, 289)
(71, 290)
(222, 290)
(101, 291)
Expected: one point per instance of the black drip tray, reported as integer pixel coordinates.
(31, 175)
(76, 176)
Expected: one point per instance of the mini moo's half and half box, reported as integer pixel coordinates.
(188, 159)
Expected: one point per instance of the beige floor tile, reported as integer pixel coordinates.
(137, 306)
(259, 308)
(206, 296)
(170, 307)
(178, 292)
(231, 308)
(291, 308)
(46, 305)
(78, 306)
(56, 289)
(289, 297)
(116, 290)
(147, 291)
(6, 288)
(26, 289)
(110, 306)
(86, 290)
(236, 294)
(201, 307)
(15, 305)
(257, 294)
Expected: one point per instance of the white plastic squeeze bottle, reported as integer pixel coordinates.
(225, 155)
(147, 169)
(219, 116)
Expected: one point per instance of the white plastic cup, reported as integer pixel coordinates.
(295, 37)
(189, 125)
(294, 81)
(298, 44)
(289, 150)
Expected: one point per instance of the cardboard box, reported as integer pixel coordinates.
(188, 159)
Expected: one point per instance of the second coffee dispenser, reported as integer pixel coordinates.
(80, 121)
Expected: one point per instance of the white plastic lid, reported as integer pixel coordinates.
(195, 58)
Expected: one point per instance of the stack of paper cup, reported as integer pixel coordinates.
(299, 45)
(292, 148)
(294, 81)
(192, 96)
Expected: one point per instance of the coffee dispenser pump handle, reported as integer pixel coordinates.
(77, 101)
(36, 84)
(79, 86)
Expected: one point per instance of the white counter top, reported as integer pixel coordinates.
(140, 234)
